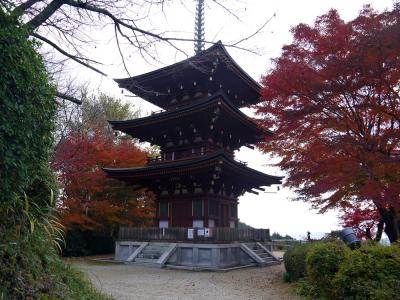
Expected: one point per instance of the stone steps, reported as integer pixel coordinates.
(145, 260)
(152, 247)
(151, 253)
(263, 255)
(258, 251)
(148, 256)
(267, 259)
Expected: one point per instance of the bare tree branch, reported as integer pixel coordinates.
(20, 9)
(229, 11)
(255, 32)
(73, 57)
(46, 13)
(68, 97)
(62, 25)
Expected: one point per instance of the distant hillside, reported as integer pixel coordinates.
(277, 236)
(242, 225)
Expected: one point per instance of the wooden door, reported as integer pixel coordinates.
(181, 213)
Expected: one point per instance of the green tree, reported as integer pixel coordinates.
(94, 112)
(277, 236)
(26, 96)
(29, 264)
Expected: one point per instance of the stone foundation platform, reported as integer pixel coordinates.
(194, 256)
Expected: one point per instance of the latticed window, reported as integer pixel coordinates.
(163, 209)
(233, 211)
(212, 208)
(197, 208)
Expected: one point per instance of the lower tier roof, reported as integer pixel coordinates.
(229, 172)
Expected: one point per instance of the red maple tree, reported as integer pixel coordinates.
(332, 99)
(91, 201)
(365, 219)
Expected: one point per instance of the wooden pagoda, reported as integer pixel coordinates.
(196, 179)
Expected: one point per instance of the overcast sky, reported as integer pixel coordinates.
(274, 209)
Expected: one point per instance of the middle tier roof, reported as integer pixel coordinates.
(214, 113)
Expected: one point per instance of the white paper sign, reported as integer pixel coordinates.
(190, 233)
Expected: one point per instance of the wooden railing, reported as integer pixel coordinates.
(179, 234)
(180, 155)
(188, 156)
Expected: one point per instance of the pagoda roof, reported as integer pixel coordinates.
(153, 125)
(210, 69)
(142, 176)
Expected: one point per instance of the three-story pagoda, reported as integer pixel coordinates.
(196, 179)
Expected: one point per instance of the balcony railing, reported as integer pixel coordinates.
(178, 156)
(185, 156)
(180, 234)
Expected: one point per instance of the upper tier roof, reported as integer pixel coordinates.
(210, 70)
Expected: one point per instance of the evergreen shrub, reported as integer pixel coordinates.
(322, 263)
(27, 113)
(295, 262)
(30, 267)
(371, 272)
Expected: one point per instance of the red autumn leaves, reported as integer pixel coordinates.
(333, 100)
(89, 200)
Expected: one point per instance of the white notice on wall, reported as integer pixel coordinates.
(190, 233)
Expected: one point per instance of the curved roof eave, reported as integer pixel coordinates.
(240, 70)
(174, 166)
(124, 82)
(118, 125)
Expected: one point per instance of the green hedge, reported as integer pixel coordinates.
(371, 272)
(27, 113)
(330, 270)
(30, 267)
(295, 262)
(322, 263)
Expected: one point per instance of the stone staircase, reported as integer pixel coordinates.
(151, 253)
(261, 252)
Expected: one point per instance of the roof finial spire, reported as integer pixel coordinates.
(199, 27)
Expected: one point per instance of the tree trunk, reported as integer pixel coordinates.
(44, 15)
(368, 233)
(379, 231)
(391, 218)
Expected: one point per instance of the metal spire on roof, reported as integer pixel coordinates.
(199, 27)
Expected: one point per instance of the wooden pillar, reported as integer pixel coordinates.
(205, 210)
(170, 212)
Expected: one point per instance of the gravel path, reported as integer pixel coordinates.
(138, 282)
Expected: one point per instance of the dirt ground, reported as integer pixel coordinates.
(139, 282)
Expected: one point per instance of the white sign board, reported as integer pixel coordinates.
(190, 233)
